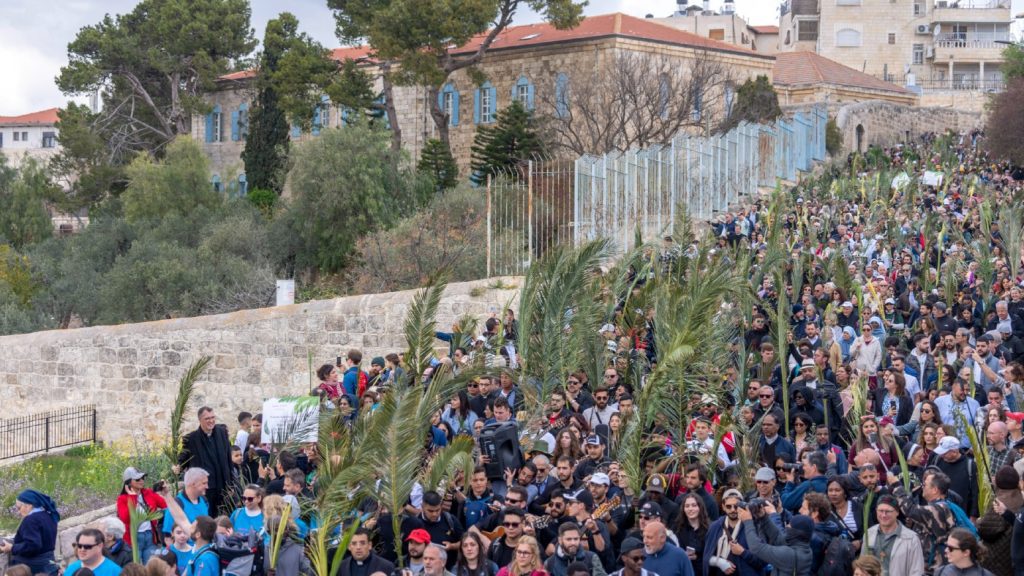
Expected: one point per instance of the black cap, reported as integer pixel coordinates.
(651, 509)
(630, 544)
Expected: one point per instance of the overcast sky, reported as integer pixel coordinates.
(34, 35)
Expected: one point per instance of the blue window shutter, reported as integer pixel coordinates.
(562, 96)
(243, 121)
(476, 106)
(346, 115)
(243, 186)
(455, 108)
(296, 131)
(529, 96)
(316, 121)
(234, 126)
(440, 96)
(209, 127)
(494, 104)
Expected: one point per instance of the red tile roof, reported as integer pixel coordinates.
(808, 68)
(605, 25)
(765, 29)
(339, 54)
(239, 75)
(41, 118)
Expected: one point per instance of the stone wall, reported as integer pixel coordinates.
(130, 372)
(885, 123)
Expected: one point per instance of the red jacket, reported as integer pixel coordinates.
(152, 500)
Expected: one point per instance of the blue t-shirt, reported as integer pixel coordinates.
(192, 511)
(244, 524)
(106, 568)
(183, 557)
(205, 563)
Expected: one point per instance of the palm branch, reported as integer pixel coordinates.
(420, 328)
(984, 478)
(182, 401)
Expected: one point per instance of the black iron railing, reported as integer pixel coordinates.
(47, 431)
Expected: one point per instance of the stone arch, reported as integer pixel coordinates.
(860, 137)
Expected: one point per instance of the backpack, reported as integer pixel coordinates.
(236, 554)
(962, 521)
(838, 558)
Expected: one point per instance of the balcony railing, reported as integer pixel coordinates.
(970, 41)
(973, 4)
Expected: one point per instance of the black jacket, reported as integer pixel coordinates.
(212, 454)
(374, 564)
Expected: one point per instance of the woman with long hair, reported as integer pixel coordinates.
(527, 561)
(473, 557)
(134, 494)
(963, 555)
(926, 412)
(803, 432)
(992, 414)
(567, 444)
(459, 415)
(868, 436)
(849, 512)
(249, 518)
(891, 399)
(330, 387)
(692, 528)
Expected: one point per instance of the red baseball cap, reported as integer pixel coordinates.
(419, 535)
(1018, 416)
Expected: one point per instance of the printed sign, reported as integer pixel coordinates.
(291, 419)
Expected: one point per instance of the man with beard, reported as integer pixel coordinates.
(595, 449)
(569, 550)
(503, 550)
(958, 411)
(695, 480)
(662, 557)
(725, 550)
(601, 411)
(983, 355)
(595, 533)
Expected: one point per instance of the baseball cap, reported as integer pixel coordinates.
(764, 474)
(947, 444)
(600, 478)
(593, 440)
(629, 545)
(847, 304)
(1004, 327)
(419, 535)
(651, 510)
(656, 484)
(889, 301)
(808, 363)
(132, 473)
(1018, 416)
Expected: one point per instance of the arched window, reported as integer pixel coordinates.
(215, 183)
(448, 100)
(848, 37)
(562, 95)
(485, 106)
(522, 92)
(243, 185)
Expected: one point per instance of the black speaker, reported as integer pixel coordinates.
(500, 443)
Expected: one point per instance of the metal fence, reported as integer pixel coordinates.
(542, 204)
(44, 432)
(618, 193)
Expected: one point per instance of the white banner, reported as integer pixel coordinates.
(291, 419)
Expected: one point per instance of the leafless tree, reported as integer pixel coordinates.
(635, 100)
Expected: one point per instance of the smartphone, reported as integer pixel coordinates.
(337, 361)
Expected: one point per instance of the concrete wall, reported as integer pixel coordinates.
(130, 372)
(885, 124)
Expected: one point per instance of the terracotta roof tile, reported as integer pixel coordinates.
(604, 25)
(40, 118)
(765, 29)
(807, 68)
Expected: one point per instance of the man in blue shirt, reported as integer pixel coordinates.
(815, 466)
(205, 561)
(662, 557)
(192, 499)
(89, 550)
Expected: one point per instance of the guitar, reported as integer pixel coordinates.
(607, 507)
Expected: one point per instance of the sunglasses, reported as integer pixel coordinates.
(512, 524)
(766, 395)
(510, 501)
(78, 546)
(248, 498)
(473, 385)
(636, 558)
(762, 481)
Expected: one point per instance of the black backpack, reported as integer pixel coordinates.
(837, 560)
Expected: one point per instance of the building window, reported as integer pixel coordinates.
(243, 186)
(806, 30)
(215, 182)
(848, 37)
(562, 95)
(449, 101)
(919, 7)
(717, 34)
(522, 92)
(918, 53)
(243, 121)
(17, 136)
(892, 37)
(214, 125)
(1, 139)
(49, 139)
(486, 100)
(847, 2)
(24, 136)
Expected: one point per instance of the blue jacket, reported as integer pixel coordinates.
(34, 542)
(351, 382)
(671, 560)
(746, 564)
(793, 494)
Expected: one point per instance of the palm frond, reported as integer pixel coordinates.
(182, 402)
(445, 462)
(420, 328)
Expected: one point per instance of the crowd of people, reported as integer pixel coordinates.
(873, 428)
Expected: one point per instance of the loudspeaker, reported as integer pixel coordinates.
(500, 443)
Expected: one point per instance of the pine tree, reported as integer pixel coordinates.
(512, 140)
(436, 161)
(266, 146)
(756, 102)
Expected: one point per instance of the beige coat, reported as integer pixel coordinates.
(907, 556)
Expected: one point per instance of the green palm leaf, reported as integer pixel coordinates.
(182, 402)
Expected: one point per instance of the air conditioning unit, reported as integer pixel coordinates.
(924, 29)
(929, 52)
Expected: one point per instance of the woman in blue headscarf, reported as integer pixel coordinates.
(37, 534)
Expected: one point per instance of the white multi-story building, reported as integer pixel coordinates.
(936, 47)
(32, 135)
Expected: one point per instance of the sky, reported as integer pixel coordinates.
(33, 42)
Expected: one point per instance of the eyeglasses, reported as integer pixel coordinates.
(512, 524)
(511, 501)
(524, 553)
(884, 511)
(955, 548)
(926, 410)
(572, 382)
(599, 398)
(649, 517)
(472, 385)
(636, 558)
(728, 506)
(766, 395)
(248, 498)
(610, 376)
(86, 547)
(762, 481)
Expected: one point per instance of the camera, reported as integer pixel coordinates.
(791, 467)
(755, 505)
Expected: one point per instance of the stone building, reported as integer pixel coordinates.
(807, 78)
(724, 25)
(934, 47)
(522, 63)
(32, 135)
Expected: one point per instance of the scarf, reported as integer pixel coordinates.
(844, 344)
(722, 549)
(41, 501)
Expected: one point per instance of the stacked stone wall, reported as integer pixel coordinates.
(885, 123)
(130, 372)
